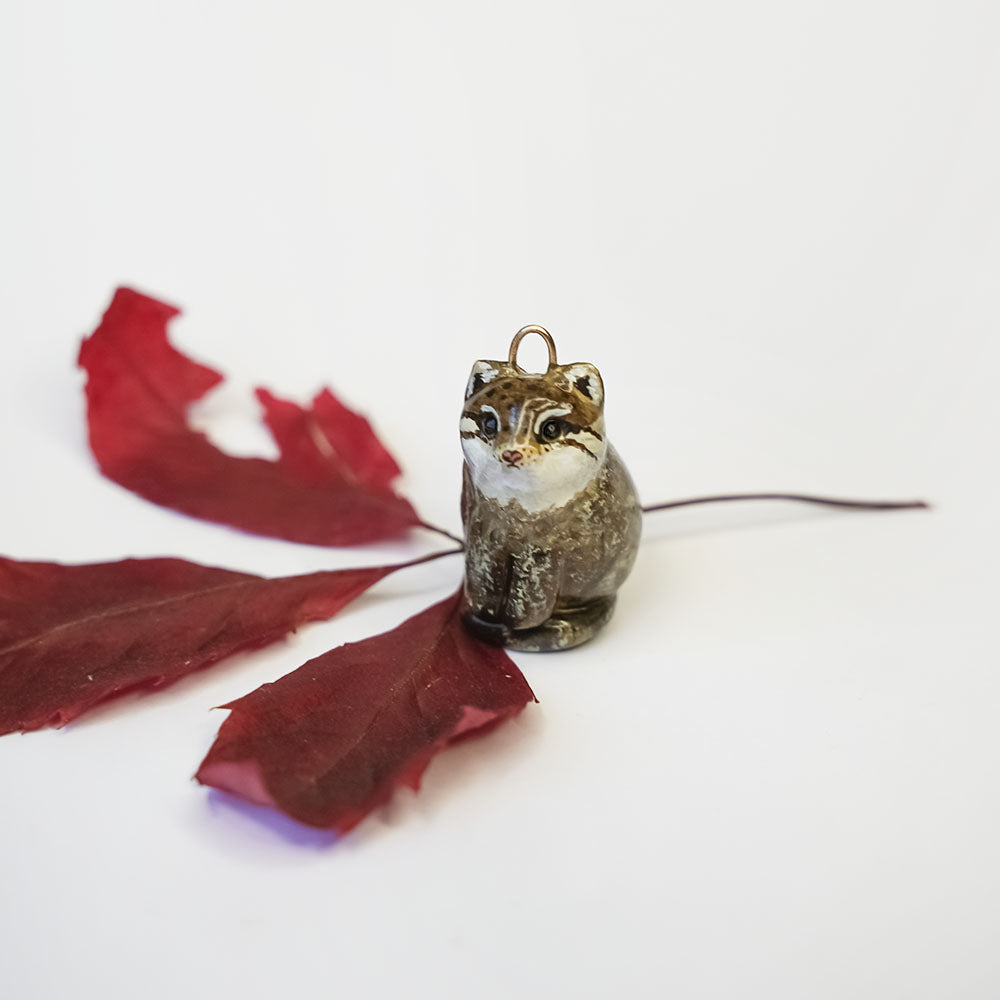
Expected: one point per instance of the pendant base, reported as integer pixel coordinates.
(568, 627)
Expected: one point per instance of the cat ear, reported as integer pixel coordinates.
(482, 373)
(586, 380)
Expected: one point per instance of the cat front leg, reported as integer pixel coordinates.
(508, 587)
(486, 573)
(531, 587)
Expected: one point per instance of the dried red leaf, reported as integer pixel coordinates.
(330, 741)
(74, 636)
(331, 484)
(308, 439)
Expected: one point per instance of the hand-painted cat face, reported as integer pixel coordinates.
(537, 439)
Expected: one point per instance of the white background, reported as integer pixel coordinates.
(774, 226)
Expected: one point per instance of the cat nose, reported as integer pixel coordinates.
(512, 457)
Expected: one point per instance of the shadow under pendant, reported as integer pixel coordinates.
(551, 516)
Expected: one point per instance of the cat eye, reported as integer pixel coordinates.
(551, 429)
(489, 425)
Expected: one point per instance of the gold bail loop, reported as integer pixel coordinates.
(520, 335)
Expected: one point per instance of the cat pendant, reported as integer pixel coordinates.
(551, 517)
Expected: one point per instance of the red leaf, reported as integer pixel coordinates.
(309, 439)
(73, 636)
(330, 486)
(330, 741)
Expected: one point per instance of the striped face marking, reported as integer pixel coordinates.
(536, 439)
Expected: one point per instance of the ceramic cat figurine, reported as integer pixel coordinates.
(551, 517)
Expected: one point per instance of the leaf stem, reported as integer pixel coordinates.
(431, 557)
(441, 531)
(719, 498)
(798, 498)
